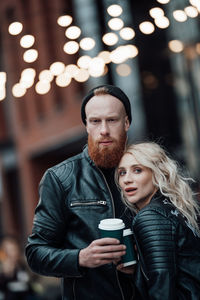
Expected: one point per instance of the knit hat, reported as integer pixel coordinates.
(111, 90)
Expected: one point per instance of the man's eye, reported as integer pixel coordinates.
(95, 121)
(111, 120)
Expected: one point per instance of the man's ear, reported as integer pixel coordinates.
(127, 123)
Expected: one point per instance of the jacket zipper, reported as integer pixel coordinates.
(100, 202)
(113, 206)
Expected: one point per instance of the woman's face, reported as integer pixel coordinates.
(135, 181)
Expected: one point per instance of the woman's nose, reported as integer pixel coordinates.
(127, 178)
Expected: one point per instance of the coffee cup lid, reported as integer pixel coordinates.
(111, 224)
(127, 232)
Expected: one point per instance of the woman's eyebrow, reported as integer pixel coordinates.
(135, 165)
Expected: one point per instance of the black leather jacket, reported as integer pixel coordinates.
(74, 197)
(169, 253)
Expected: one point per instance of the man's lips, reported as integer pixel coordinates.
(105, 143)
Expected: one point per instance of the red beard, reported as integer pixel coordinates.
(107, 157)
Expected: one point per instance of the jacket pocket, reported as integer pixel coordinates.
(79, 203)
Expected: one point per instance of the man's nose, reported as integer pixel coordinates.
(104, 128)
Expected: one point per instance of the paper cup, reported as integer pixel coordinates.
(112, 228)
(130, 258)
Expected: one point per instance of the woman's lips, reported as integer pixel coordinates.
(130, 191)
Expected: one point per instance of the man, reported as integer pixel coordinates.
(74, 196)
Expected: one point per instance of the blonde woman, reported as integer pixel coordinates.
(165, 226)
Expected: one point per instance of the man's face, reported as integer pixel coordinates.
(107, 125)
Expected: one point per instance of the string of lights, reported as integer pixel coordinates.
(86, 65)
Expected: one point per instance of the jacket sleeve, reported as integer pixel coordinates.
(155, 239)
(45, 250)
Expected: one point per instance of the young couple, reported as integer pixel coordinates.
(152, 198)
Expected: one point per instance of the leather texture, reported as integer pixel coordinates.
(74, 197)
(169, 253)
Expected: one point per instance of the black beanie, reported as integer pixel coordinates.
(111, 90)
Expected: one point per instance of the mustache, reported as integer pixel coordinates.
(105, 140)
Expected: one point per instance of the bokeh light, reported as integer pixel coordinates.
(162, 22)
(28, 77)
(18, 90)
(163, 1)
(176, 46)
(27, 41)
(42, 87)
(146, 27)
(63, 80)
(3, 78)
(64, 20)
(84, 61)
(123, 70)
(127, 33)
(71, 69)
(30, 55)
(105, 55)
(115, 23)
(82, 75)
(15, 28)
(191, 11)
(179, 15)
(156, 12)
(57, 68)
(132, 51)
(73, 32)
(96, 67)
(114, 10)
(46, 75)
(71, 47)
(87, 43)
(110, 38)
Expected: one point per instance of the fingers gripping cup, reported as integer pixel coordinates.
(130, 257)
(112, 228)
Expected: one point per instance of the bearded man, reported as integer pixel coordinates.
(74, 196)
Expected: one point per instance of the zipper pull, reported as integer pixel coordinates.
(102, 202)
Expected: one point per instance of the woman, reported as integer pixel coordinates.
(165, 227)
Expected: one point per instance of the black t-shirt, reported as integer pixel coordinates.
(120, 210)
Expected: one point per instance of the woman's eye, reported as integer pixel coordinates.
(138, 170)
(121, 173)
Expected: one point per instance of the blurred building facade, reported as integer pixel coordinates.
(40, 130)
(36, 127)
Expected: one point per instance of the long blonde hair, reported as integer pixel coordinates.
(167, 178)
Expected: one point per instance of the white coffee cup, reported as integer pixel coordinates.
(112, 228)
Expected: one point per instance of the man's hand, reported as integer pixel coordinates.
(101, 252)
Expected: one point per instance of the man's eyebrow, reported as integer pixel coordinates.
(94, 117)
